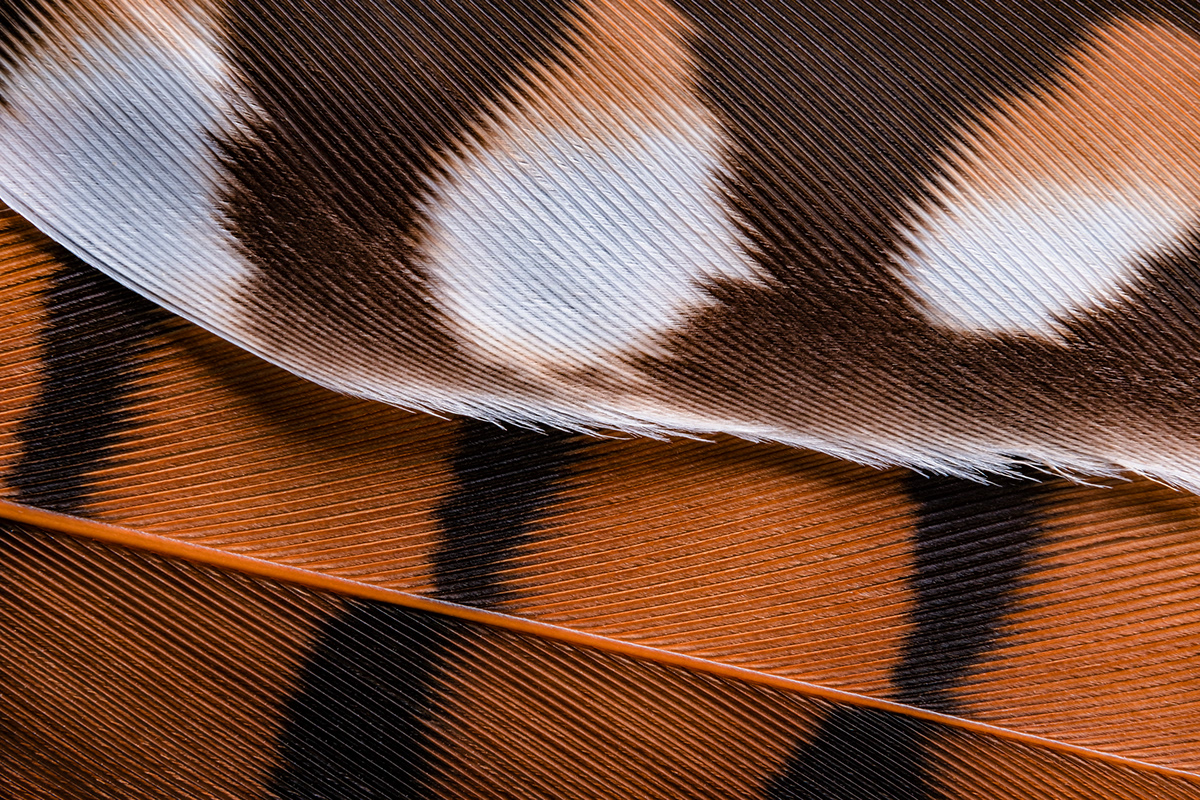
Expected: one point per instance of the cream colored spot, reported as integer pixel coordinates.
(1054, 202)
(588, 220)
(109, 134)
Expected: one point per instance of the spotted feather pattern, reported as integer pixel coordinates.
(956, 239)
(901, 235)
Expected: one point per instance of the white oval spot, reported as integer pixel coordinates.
(1024, 262)
(553, 250)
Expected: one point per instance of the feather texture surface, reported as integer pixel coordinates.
(490, 608)
(959, 238)
(148, 677)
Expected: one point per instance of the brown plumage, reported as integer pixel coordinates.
(957, 238)
(777, 590)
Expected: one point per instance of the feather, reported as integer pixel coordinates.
(446, 608)
(955, 237)
(174, 679)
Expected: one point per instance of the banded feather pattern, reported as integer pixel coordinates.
(302, 705)
(957, 239)
(927, 637)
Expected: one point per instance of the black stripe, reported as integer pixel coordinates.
(95, 334)
(505, 481)
(859, 754)
(357, 727)
(973, 546)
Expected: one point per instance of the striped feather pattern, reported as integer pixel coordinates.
(1046, 609)
(149, 677)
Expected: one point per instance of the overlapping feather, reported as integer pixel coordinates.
(1048, 610)
(646, 217)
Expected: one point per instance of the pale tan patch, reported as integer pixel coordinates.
(163, 18)
(176, 23)
(1104, 647)
(522, 718)
(1124, 111)
(763, 557)
(129, 675)
(181, 26)
(628, 71)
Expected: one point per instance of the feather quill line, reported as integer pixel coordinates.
(166, 546)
